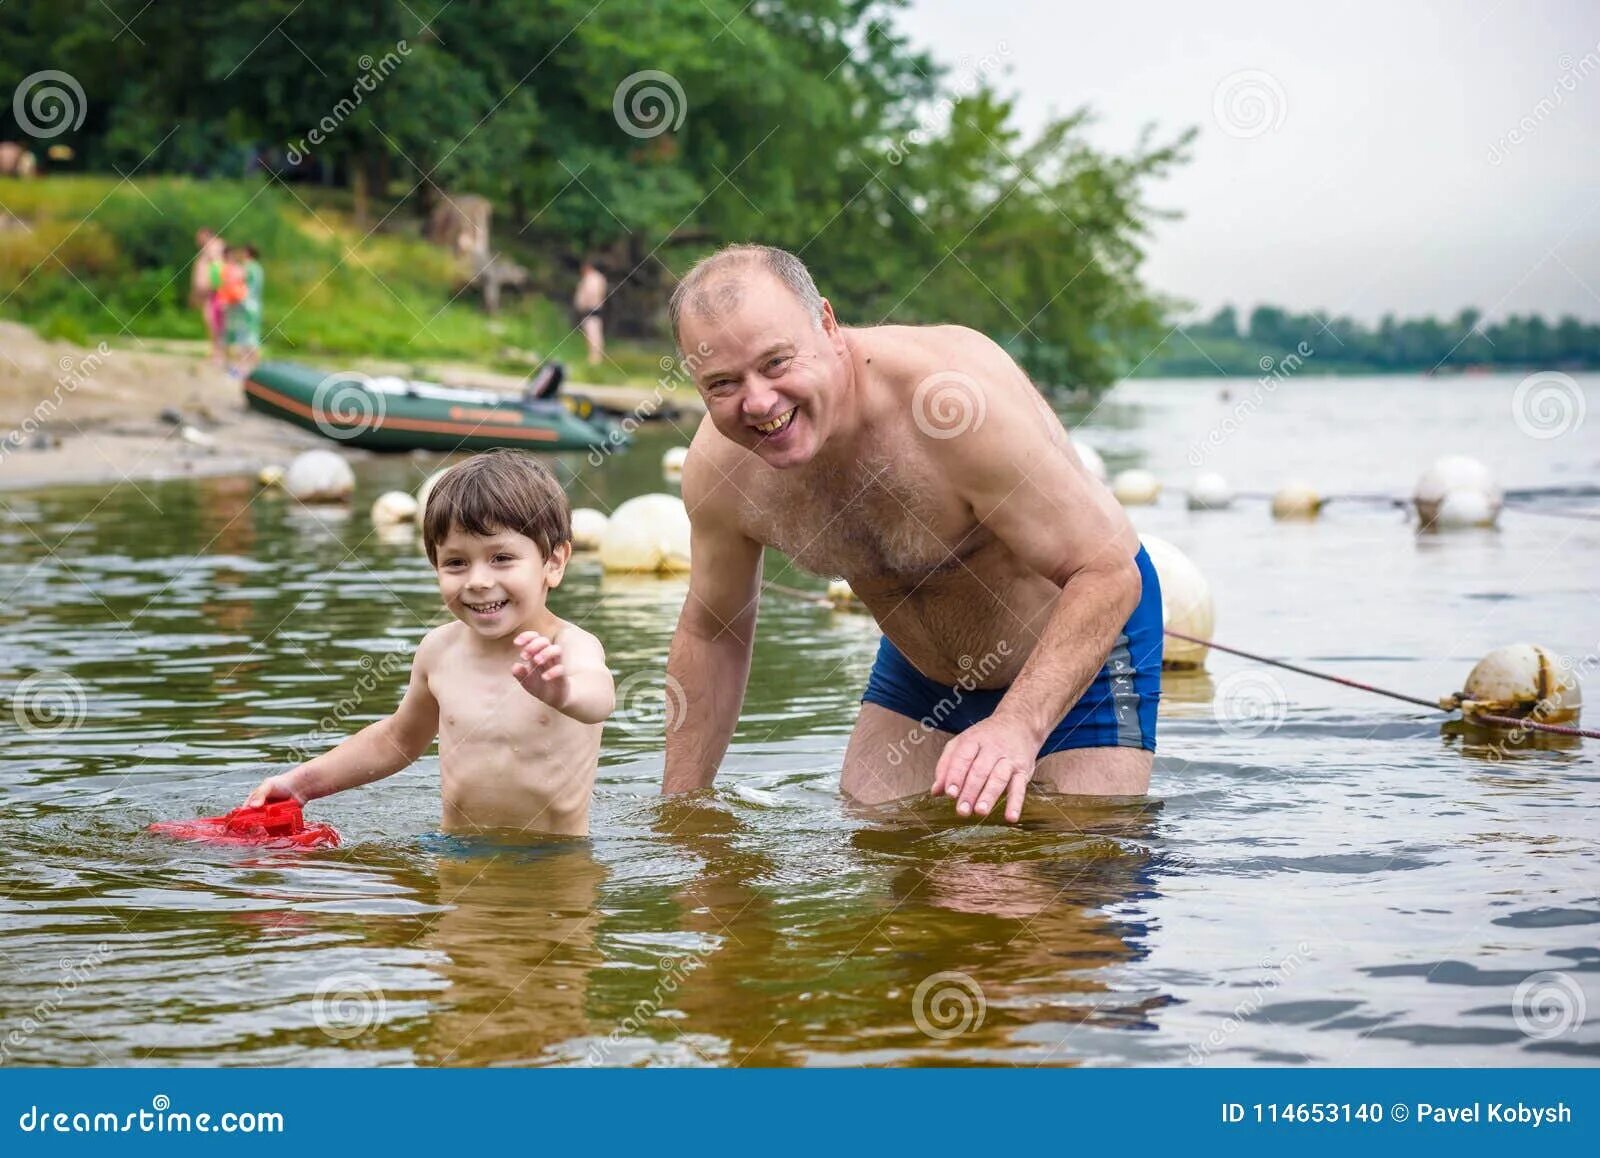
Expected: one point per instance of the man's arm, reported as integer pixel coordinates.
(709, 662)
(1025, 485)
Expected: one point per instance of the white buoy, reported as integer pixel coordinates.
(647, 534)
(1136, 488)
(839, 591)
(1210, 492)
(672, 463)
(588, 529)
(1464, 509)
(1296, 500)
(1523, 680)
(393, 508)
(270, 476)
(426, 489)
(1452, 473)
(1186, 603)
(1090, 457)
(319, 476)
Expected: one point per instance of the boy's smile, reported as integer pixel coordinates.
(497, 584)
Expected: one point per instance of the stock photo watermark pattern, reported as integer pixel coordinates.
(49, 103)
(649, 103)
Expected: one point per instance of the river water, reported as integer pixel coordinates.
(1318, 876)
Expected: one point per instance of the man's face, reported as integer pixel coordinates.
(771, 379)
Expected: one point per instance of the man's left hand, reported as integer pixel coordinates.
(992, 757)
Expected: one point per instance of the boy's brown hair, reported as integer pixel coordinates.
(499, 490)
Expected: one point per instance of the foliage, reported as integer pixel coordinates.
(809, 124)
(1221, 345)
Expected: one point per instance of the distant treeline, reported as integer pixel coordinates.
(1223, 346)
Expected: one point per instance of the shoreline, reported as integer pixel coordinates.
(71, 416)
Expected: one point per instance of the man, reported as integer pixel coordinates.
(1021, 617)
(588, 303)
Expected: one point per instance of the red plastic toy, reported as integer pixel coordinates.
(277, 825)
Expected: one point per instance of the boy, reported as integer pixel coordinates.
(516, 696)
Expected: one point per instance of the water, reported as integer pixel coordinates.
(1352, 883)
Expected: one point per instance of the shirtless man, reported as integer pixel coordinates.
(588, 305)
(1021, 617)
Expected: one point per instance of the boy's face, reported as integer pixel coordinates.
(496, 584)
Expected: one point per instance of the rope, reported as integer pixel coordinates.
(1504, 721)
(1432, 705)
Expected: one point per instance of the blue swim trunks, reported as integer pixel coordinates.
(1117, 711)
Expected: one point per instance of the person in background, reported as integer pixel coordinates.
(588, 303)
(204, 277)
(244, 320)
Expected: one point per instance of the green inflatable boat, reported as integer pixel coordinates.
(400, 414)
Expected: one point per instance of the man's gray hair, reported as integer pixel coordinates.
(714, 285)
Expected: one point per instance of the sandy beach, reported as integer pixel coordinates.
(75, 415)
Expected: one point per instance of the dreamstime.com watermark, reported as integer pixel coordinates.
(1249, 702)
(74, 372)
(345, 404)
(1572, 73)
(674, 372)
(1549, 1005)
(933, 119)
(1277, 973)
(346, 1005)
(973, 673)
(649, 103)
(674, 970)
(1273, 373)
(1548, 404)
(332, 726)
(48, 703)
(160, 1118)
(373, 73)
(49, 103)
(948, 404)
(948, 1004)
(650, 703)
(73, 972)
(1249, 104)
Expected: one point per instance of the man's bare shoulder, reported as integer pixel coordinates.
(714, 470)
(902, 357)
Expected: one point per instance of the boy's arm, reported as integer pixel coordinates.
(570, 676)
(378, 750)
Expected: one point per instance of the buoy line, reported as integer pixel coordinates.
(1509, 721)
(1513, 722)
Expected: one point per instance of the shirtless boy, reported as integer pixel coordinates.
(516, 696)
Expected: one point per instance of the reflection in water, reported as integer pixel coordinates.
(516, 945)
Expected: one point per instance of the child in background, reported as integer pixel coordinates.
(516, 696)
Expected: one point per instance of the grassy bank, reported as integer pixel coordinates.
(105, 258)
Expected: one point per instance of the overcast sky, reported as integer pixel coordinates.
(1375, 172)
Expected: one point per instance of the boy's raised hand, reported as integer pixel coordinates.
(541, 671)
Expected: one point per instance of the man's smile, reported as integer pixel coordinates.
(778, 423)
